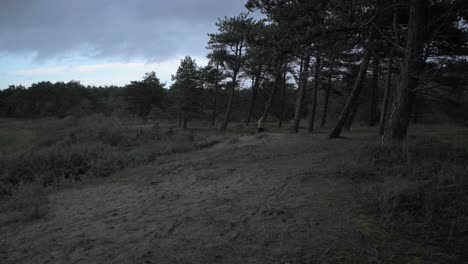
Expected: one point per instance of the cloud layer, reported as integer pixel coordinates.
(148, 29)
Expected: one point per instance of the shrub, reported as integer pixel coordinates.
(93, 147)
(419, 190)
(71, 149)
(27, 202)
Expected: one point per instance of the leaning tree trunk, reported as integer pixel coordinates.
(230, 102)
(304, 76)
(327, 95)
(255, 85)
(215, 99)
(386, 100)
(283, 98)
(313, 109)
(352, 117)
(409, 77)
(373, 94)
(272, 96)
(353, 97)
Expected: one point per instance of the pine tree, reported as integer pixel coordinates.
(187, 91)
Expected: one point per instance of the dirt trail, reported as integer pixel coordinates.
(268, 199)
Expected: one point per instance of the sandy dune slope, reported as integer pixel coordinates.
(268, 199)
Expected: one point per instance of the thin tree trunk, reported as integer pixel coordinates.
(352, 116)
(255, 84)
(409, 77)
(184, 120)
(386, 100)
(415, 109)
(327, 95)
(353, 97)
(230, 102)
(283, 97)
(272, 96)
(304, 75)
(374, 90)
(179, 116)
(313, 109)
(215, 99)
(388, 85)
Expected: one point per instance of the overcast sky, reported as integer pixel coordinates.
(103, 42)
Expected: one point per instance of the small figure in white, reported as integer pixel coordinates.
(260, 128)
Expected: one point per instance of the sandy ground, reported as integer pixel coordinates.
(268, 199)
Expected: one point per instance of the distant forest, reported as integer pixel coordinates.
(385, 63)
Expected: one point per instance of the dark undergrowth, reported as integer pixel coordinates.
(415, 202)
(73, 150)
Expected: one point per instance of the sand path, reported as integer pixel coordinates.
(269, 199)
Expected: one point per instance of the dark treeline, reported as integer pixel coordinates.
(146, 99)
(322, 63)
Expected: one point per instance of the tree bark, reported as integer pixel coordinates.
(352, 116)
(313, 109)
(230, 102)
(386, 100)
(255, 84)
(283, 97)
(388, 84)
(272, 96)
(409, 77)
(415, 108)
(215, 99)
(373, 94)
(327, 95)
(184, 120)
(353, 97)
(304, 75)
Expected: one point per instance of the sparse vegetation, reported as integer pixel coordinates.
(26, 202)
(74, 149)
(415, 197)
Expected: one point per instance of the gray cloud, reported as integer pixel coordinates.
(151, 29)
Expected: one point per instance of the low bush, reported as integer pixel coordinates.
(27, 202)
(71, 149)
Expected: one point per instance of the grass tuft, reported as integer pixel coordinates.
(418, 191)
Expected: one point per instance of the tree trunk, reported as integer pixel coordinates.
(230, 102)
(255, 84)
(304, 75)
(313, 109)
(352, 116)
(327, 95)
(388, 85)
(179, 119)
(373, 94)
(353, 97)
(415, 108)
(215, 99)
(283, 97)
(184, 120)
(409, 77)
(386, 100)
(272, 96)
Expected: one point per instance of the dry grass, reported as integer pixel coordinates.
(27, 202)
(415, 200)
(65, 151)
